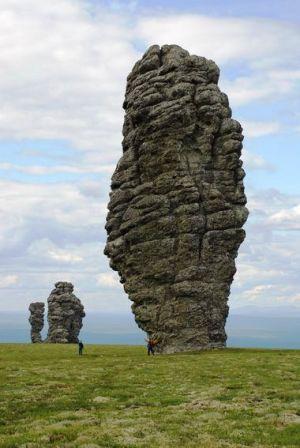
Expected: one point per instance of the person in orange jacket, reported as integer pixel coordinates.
(151, 343)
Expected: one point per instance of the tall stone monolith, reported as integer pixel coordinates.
(36, 320)
(177, 204)
(65, 314)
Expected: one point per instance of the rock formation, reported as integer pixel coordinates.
(177, 203)
(65, 314)
(36, 320)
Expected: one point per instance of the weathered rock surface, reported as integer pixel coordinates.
(36, 319)
(177, 203)
(65, 314)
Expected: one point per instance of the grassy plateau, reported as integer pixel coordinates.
(117, 396)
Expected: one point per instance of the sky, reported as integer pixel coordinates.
(63, 69)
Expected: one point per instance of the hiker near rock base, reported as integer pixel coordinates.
(151, 343)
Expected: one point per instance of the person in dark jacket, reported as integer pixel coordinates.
(80, 347)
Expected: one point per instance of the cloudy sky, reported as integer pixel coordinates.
(63, 68)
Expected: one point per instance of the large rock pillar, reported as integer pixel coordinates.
(177, 204)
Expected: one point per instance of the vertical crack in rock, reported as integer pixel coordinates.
(36, 320)
(65, 314)
(177, 204)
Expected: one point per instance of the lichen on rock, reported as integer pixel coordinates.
(177, 204)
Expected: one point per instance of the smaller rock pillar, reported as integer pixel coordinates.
(36, 320)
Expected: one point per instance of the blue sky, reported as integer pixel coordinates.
(63, 74)
(269, 9)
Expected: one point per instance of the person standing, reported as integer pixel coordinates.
(151, 343)
(80, 347)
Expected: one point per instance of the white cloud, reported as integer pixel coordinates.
(256, 162)
(270, 294)
(268, 261)
(110, 279)
(62, 255)
(254, 129)
(247, 271)
(286, 218)
(295, 299)
(8, 280)
(263, 42)
(45, 249)
(41, 170)
(286, 75)
(261, 85)
(58, 211)
(269, 201)
(258, 290)
(70, 81)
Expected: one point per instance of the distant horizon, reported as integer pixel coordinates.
(282, 310)
(243, 330)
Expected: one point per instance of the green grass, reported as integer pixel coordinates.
(116, 396)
